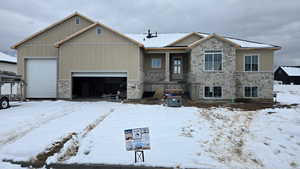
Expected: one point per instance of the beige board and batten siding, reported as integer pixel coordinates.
(266, 58)
(104, 52)
(43, 44)
(263, 79)
(187, 41)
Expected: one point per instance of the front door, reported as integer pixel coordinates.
(177, 68)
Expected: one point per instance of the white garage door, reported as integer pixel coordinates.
(41, 78)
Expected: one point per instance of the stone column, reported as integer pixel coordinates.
(167, 67)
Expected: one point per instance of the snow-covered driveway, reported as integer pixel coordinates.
(29, 128)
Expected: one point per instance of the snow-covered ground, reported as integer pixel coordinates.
(180, 137)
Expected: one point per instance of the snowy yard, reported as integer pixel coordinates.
(180, 137)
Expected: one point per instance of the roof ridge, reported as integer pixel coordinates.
(251, 41)
(57, 44)
(50, 27)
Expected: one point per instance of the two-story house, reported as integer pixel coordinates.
(78, 57)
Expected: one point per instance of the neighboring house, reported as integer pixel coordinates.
(8, 63)
(288, 74)
(77, 57)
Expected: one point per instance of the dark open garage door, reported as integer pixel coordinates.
(85, 86)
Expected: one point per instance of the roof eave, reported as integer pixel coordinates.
(184, 37)
(213, 36)
(257, 48)
(57, 44)
(166, 48)
(3, 61)
(48, 28)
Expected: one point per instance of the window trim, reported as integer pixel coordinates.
(213, 98)
(153, 58)
(258, 62)
(244, 91)
(222, 57)
(173, 65)
(77, 18)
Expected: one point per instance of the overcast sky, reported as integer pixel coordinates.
(271, 21)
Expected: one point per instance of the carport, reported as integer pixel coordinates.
(98, 84)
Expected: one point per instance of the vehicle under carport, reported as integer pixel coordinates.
(99, 85)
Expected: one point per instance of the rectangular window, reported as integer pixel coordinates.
(156, 63)
(177, 66)
(213, 60)
(98, 30)
(215, 92)
(251, 63)
(251, 91)
(77, 20)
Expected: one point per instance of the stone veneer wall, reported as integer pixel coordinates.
(64, 89)
(154, 76)
(198, 78)
(263, 80)
(134, 89)
(152, 87)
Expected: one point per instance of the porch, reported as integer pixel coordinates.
(165, 69)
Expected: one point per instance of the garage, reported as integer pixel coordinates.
(41, 76)
(99, 85)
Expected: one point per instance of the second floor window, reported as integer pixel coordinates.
(213, 60)
(77, 20)
(251, 63)
(155, 63)
(98, 30)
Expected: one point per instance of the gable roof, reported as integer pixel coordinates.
(7, 58)
(214, 36)
(291, 70)
(246, 43)
(167, 39)
(164, 40)
(57, 44)
(187, 36)
(49, 27)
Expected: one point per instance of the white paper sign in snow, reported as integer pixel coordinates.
(137, 139)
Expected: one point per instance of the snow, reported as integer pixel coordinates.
(164, 39)
(216, 137)
(165, 131)
(7, 58)
(275, 138)
(291, 71)
(27, 129)
(288, 94)
(244, 43)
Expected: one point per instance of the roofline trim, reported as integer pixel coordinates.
(10, 62)
(184, 37)
(57, 44)
(166, 48)
(257, 48)
(213, 36)
(50, 27)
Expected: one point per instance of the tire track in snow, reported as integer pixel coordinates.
(21, 131)
(67, 147)
(73, 145)
(226, 145)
